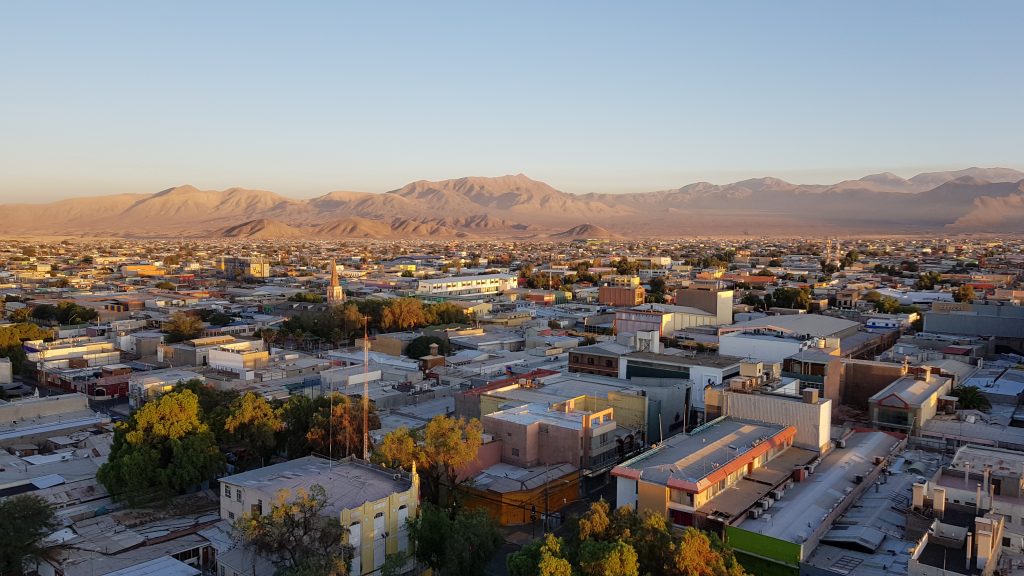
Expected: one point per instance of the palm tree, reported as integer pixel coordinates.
(971, 398)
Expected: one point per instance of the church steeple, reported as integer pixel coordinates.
(335, 293)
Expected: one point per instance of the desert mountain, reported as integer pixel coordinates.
(585, 231)
(516, 206)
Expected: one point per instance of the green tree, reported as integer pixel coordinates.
(799, 298)
(307, 297)
(214, 405)
(458, 545)
(299, 534)
(182, 326)
(164, 285)
(254, 423)
(11, 343)
(27, 520)
(446, 313)
(164, 449)
(964, 293)
(445, 445)
(887, 305)
(599, 558)
(972, 398)
(330, 424)
(927, 281)
(403, 314)
(420, 346)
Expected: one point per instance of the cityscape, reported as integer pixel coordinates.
(757, 309)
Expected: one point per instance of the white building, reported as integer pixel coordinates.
(466, 285)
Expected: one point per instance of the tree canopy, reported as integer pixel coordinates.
(460, 544)
(298, 535)
(253, 423)
(420, 346)
(28, 519)
(64, 313)
(445, 445)
(164, 449)
(603, 542)
(182, 326)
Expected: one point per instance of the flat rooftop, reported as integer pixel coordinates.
(807, 503)
(349, 483)
(707, 360)
(505, 478)
(530, 413)
(692, 457)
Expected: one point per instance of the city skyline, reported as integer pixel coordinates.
(589, 97)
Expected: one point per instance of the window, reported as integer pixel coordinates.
(515, 451)
(238, 494)
(231, 515)
(1006, 542)
(227, 491)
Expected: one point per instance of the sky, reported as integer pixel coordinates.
(308, 97)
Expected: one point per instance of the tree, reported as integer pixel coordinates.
(298, 533)
(254, 423)
(445, 445)
(214, 405)
(164, 285)
(456, 545)
(695, 554)
(28, 519)
(330, 424)
(791, 298)
(751, 299)
(448, 444)
(927, 281)
(398, 449)
(307, 297)
(971, 398)
(182, 326)
(887, 305)
(964, 293)
(420, 346)
(164, 449)
(11, 342)
(446, 313)
(403, 314)
(608, 559)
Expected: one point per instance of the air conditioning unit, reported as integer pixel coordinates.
(754, 513)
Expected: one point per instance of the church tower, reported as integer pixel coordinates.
(335, 293)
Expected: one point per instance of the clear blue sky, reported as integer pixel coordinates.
(308, 97)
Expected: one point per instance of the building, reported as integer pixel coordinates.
(911, 401)
(774, 338)
(239, 358)
(663, 319)
(466, 285)
(759, 395)
(245, 267)
(621, 291)
(713, 476)
(538, 434)
(1004, 323)
(372, 502)
(712, 300)
(335, 293)
(601, 359)
(514, 495)
(145, 386)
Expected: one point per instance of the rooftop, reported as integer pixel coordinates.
(707, 360)
(350, 483)
(505, 478)
(912, 390)
(809, 324)
(692, 457)
(540, 413)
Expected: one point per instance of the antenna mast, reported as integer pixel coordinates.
(366, 391)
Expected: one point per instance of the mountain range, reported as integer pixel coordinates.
(970, 200)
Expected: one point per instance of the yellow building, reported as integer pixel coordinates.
(372, 502)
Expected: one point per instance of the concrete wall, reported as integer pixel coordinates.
(23, 410)
(813, 421)
(860, 380)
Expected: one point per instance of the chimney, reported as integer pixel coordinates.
(977, 499)
(983, 537)
(925, 373)
(970, 548)
(810, 395)
(939, 501)
(986, 475)
(918, 500)
(433, 348)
